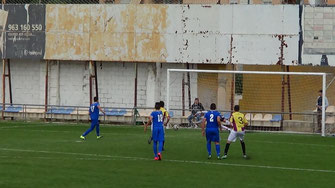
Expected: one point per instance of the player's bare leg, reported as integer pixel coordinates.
(150, 140)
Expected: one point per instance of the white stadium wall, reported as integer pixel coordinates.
(210, 34)
(206, 34)
(318, 34)
(171, 34)
(28, 78)
(69, 83)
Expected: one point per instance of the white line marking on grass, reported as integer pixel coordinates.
(21, 126)
(291, 143)
(57, 158)
(171, 160)
(105, 133)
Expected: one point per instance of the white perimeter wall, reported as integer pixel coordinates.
(69, 83)
(208, 34)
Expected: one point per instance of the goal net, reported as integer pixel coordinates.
(271, 101)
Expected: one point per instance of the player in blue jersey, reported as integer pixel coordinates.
(212, 122)
(156, 118)
(94, 115)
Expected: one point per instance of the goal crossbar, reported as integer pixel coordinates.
(323, 121)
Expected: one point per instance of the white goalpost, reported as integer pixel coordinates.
(291, 94)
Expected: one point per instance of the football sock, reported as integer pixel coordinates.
(160, 146)
(163, 145)
(98, 130)
(217, 147)
(243, 147)
(209, 149)
(226, 149)
(155, 148)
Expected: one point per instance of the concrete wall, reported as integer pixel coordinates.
(319, 35)
(172, 33)
(207, 34)
(69, 83)
(27, 82)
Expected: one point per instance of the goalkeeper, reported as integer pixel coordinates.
(238, 122)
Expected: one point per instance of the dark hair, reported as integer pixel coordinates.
(95, 99)
(213, 106)
(161, 103)
(320, 91)
(157, 105)
(236, 108)
(196, 99)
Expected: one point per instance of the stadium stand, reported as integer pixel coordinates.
(249, 116)
(14, 109)
(115, 112)
(171, 113)
(258, 117)
(227, 115)
(330, 120)
(267, 117)
(276, 118)
(60, 110)
(330, 109)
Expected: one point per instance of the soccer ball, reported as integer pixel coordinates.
(175, 127)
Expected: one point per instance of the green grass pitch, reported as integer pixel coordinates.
(52, 155)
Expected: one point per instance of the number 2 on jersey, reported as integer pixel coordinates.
(211, 118)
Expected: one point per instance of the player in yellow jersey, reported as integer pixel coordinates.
(165, 113)
(238, 122)
(166, 117)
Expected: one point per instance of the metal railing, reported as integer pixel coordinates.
(91, 2)
(52, 2)
(145, 2)
(62, 113)
(306, 122)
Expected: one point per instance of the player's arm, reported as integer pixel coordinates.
(245, 121)
(148, 123)
(203, 126)
(231, 120)
(166, 114)
(219, 122)
(101, 109)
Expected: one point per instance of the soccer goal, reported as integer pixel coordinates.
(271, 101)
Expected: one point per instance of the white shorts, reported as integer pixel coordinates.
(236, 134)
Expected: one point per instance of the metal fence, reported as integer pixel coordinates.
(92, 1)
(304, 122)
(149, 2)
(51, 2)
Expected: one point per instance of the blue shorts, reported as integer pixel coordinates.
(213, 135)
(158, 134)
(94, 122)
